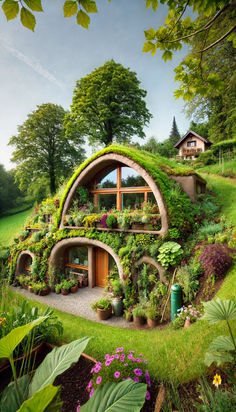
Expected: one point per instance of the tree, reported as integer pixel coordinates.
(10, 194)
(174, 133)
(42, 149)
(109, 105)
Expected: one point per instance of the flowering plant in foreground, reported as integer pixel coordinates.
(187, 312)
(117, 367)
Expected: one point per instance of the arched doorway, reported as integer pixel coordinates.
(80, 256)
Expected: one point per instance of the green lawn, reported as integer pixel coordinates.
(171, 354)
(10, 226)
(216, 168)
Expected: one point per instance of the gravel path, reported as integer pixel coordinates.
(77, 304)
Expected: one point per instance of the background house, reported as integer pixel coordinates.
(191, 145)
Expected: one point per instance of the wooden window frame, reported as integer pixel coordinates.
(72, 265)
(119, 190)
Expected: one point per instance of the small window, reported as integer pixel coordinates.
(131, 178)
(107, 201)
(78, 256)
(191, 144)
(132, 200)
(108, 179)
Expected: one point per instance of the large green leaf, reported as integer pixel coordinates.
(41, 399)
(83, 19)
(117, 397)
(216, 310)
(217, 357)
(9, 400)
(70, 8)
(9, 342)
(27, 18)
(221, 343)
(11, 9)
(89, 5)
(55, 363)
(34, 5)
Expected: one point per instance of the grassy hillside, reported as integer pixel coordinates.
(216, 168)
(10, 226)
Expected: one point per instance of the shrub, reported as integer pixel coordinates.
(152, 312)
(232, 242)
(187, 278)
(144, 239)
(139, 310)
(104, 221)
(207, 158)
(215, 260)
(111, 221)
(169, 254)
(187, 312)
(210, 229)
(154, 248)
(174, 233)
(121, 365)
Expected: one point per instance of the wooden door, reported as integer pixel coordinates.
(101, 267)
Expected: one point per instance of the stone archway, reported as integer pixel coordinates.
(57, 255)
(20, 266)
(104, 161)
(150, 261)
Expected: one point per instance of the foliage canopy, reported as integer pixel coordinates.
(108, 105)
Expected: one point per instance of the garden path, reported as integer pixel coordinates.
(77, 304)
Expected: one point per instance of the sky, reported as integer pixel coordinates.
(43, 66)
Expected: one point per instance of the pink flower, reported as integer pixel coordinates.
(112, 357)
(107, 356)
(117, 374)
(130, 356)
(92, 370)
(89, 385)
(99, 380)
(117, 356)
(122, 358)
(108, 362)
(148, 396)
(128, 379)
(91, 393)
(97, 369)
(78, 408)
(138, 360)
(126, 364)
(131, 351)
(138, 372)
(187, 317)
(136, 379)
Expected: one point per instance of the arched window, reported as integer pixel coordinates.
(120, 187)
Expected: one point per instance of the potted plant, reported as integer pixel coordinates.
(65, 287)
(58, 288)
(152, 316)
(117, 293)
(44, 289)
(124, 219)
(111, 221)
(73, 285)
(128, 315)
(103, 308)
(139, 315)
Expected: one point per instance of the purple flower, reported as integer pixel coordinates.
(122, 358)
(89, 385)
(117, 356)
(131, 351)
(91, 393)
(126, 364)
(97, 369)
(138, 360)
(187, 317)
(104, 220)
(112, 357)
(99, 380)
(117, 374)
(130, 356)
(128, 379)
(107, 356)
(148, 396)
(145, 361)
(138, 372)
(136, 379)
(78, 408)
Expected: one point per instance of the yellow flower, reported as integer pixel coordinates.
(217, 380)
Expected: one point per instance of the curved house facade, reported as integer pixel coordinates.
(128, 184)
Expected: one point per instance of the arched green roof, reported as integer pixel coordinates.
(158, 167)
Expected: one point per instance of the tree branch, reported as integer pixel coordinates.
(205, 27)
(178, 19)
(218, 40)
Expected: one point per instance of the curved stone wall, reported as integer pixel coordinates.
(20, 266)
(150, 261)
(106, 160)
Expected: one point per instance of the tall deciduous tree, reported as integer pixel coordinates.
(108, 105)
(42, 149)
(10, 195)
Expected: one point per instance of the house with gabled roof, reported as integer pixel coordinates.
(191, 145)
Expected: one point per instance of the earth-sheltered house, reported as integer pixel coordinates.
(117, 209)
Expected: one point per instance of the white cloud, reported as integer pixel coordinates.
(36, 66)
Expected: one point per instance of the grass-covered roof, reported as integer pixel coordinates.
(158, 167)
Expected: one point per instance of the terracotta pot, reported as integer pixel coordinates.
(31, 289)
(64, 292)
(187, 323)
(139, 321)
(85, 282)
(104, 314)
(44, 292)
(74, 289)
(58, 291)
(152, 323)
